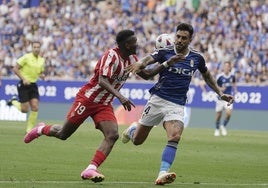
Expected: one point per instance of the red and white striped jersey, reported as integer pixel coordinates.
(111, 65)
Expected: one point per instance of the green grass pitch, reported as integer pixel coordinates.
(239, 160)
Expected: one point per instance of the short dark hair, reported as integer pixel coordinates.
(186, 27)
(227, 62)
(123, 36)
(35, 41)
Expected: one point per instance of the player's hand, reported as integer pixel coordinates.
(175, 59)
(134, 68)
(25, 82)
(228, 98)
(126, 103)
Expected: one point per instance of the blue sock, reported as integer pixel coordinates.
(168, 155)
(225, 122)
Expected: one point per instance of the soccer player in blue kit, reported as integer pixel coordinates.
(227, 83)
(168, 96)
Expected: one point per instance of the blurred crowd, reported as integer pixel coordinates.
(75, 33)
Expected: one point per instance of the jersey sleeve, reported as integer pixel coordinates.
(157, 56)
(202, 67)
(22, 60)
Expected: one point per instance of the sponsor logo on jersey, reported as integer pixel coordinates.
(181, 71)
(120, 78)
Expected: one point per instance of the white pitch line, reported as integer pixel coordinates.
(107, 182)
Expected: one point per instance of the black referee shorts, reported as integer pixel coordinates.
(27, 92)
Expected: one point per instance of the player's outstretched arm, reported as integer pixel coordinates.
(211, 82)
(104, 83)
(140, 65)
(148, 73)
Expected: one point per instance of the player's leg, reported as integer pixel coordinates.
(77, 114)
(187, 116)
(174, 129)
(33, 95)
(218, 110)
(106, 122)
(22, 104)
(32, 117)
(137, 132)
(59, 131)
(173, 124)
(128, 133)
(228, 113)
(110, 132)
(140, 134)
(14, 101)
(217, 123)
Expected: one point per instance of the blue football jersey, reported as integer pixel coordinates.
(226, 81)
(174, 81)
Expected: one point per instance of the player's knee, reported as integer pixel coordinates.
(24, 110)
(112, 136)
(115, 137)
(35, 108)
(175, 137)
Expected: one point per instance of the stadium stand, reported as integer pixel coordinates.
(74, 33)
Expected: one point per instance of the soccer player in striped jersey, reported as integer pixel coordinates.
(227, 82)
(94, 100)
(168, 96)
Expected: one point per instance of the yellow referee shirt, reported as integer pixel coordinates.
(31, 66)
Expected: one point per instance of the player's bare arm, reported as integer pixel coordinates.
(141, 64)
(16, 69)
(148, 73)
(104, 83)
(213, 85)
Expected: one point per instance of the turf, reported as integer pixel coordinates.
(238, 160)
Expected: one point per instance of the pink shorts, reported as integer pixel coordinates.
(82, 109)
